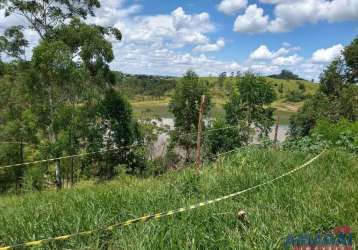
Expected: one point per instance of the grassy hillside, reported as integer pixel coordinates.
(315, 199)
(148, 106)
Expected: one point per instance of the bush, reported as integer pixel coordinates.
(342, 135)
(33, 179)
(295, 96)
(222, 140)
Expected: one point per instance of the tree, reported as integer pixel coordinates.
(43, 16)
(250, 105)
(332, 80)
(13, 42)
(114, 120)
(350, 54)
(69, 66)
(185, 105)
(286, 75)
(336, 98)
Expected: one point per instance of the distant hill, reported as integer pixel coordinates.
(286, 75)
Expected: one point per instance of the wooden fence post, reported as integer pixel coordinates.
(198, 141)
(276, 132)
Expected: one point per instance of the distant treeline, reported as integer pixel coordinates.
(146, 85)
(286, 75)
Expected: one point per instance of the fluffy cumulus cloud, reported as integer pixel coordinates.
(176, 30)
(252, 21)
(287, 61)
(326, 55)
(289, 14)
(230, 7)
(263, 53)
(220, 43)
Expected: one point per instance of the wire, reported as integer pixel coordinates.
(65, 157)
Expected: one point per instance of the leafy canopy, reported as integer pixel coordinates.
(250, 103)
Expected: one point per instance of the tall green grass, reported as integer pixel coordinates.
(315, 199)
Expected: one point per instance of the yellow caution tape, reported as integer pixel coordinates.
(158, 215)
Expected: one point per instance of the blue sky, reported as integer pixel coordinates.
(212, 36)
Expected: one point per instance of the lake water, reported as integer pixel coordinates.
(160, 146)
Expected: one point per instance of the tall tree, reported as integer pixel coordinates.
(185, 105)
(70, 64)
(250, 104)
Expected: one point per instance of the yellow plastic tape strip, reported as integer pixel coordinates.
(159, 215)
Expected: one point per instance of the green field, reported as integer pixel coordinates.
(314, 199)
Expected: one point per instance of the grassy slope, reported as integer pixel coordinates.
(148, 107)
(315, 199)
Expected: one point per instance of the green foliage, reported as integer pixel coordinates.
(332, 79)
(185, 106)
(342, 135)
(250, 104)
(43, 16)
(115, 129)
(286, 75)
(223, 140)
(33, 180)
(336, 98)
(304, 120)
(143, 85)
(280, 89)
(350, 56)
(301, 86)
(295, 96)
(13, 42)
(62, 101)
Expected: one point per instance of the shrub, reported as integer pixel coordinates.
(342, 135)
(295, 96)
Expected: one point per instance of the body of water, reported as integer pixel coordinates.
(160, 146)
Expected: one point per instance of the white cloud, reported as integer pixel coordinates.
(289, 60)
(289, 14)
(252, 21)
(175, 30)
(263, 53)
(220, 43)
(328, 54)
(138, 59)
(199, 22)
(230, 7)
